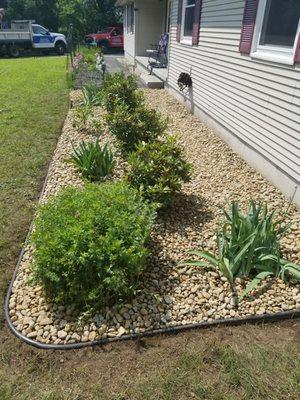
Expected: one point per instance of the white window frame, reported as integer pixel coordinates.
(277, 54)
(185, 39)
(130, 18)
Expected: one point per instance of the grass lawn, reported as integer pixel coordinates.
(250, 362)
(33, 104)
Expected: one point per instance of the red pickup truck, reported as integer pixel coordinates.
(109, 38)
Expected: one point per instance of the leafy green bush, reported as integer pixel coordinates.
(158, 170)
(90, 53)
(249, 246)
(92, 161)
(132, 126)
(90, 244)
(120, 89)
(85, 58)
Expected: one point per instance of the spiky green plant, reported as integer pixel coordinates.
(249, 246)
(91, 95)
(82, 114)
(92, 161)
(85, 121)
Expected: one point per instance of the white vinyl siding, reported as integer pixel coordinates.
(257, 101)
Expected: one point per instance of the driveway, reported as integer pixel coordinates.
(114, 62)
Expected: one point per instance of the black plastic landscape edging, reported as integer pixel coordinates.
(171, 330)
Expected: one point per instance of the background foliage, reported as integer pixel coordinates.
(87, 16)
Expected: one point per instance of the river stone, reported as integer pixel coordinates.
(32, 335)
(44, 320)
(193, 294)
(92, 336)
(121, 331)
(62, 334)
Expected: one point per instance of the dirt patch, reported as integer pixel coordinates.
(167, 367)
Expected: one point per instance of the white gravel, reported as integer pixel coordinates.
(170, 295)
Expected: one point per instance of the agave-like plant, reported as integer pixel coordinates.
(249, 246)
(92, 96)
(82, 115)
(92, 161)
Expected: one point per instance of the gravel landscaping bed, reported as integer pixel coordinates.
(170, 295)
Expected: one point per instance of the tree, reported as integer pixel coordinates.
(105, 13)
(86, 16)
(14, 8)
(43, 11)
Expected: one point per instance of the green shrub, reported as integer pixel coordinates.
(92, 161)
(132, 126)
(89, 56)
(120, 89)
(158, 170)
(90, 244)
(90, 53)
(249, 246)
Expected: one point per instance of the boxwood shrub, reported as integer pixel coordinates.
(158, 169)
(132, 126)
(90, 244)
(120, 89)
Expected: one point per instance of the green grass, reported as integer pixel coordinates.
(33, 104)
(240, 363)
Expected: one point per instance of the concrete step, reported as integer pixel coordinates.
(151, 81)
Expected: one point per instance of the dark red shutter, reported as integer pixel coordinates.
(297, 55)
(248, 25)
(196, 25)
(179, 20)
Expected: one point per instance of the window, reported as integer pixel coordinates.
(188, 16)
(39, 30)
(277, 30)
(118, 32)
(105, 30)
(130, 18)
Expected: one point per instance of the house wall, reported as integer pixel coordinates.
(253, 105)
(150, 18)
